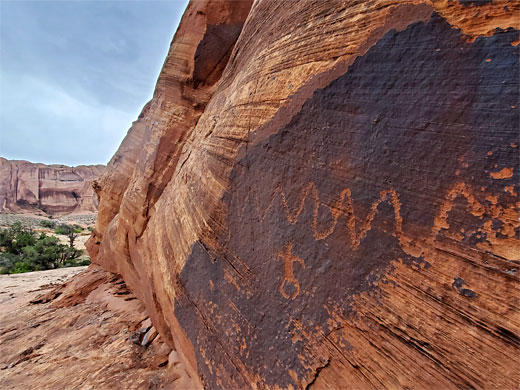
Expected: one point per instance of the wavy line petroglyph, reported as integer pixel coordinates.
(343, 205)
(338, 208)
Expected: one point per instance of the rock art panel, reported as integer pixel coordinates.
(349, 185)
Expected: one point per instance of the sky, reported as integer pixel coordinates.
(74, 75)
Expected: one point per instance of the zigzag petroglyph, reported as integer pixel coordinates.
(357, 230)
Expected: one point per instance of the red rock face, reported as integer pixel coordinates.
(54, 189)
(337, 206)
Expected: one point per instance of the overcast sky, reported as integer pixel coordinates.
(75, 74)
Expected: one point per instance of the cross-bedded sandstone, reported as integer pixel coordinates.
(328, 196)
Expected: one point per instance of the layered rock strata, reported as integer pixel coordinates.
(53, 189)
(325, 194)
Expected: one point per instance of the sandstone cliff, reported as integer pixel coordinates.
(54, 189)
(325, 194)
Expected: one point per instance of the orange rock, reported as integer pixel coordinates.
(54, 189)
(304, 201)
(83, 338)
(149, 337)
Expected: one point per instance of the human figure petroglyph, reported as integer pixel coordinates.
(289, 278)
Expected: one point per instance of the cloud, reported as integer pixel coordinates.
(74, 75)
(47, 124)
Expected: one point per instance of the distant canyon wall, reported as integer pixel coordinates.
(53, 189)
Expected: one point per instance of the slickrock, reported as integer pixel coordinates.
(53, 189)
(80, 335)
(325, 194)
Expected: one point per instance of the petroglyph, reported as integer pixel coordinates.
(344, 205)
(289, 278)
(459, 189)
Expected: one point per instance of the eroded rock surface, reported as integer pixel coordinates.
(326, 195)
(53, 189)
(85, 334)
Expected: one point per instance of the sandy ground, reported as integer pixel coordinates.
(31, 219)
(18, 289)
(89, 333)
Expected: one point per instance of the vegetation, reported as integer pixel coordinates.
(48, 224)
(71, 231)
(22, 250)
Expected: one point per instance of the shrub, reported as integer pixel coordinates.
(48, 224)
(21, 251)
(70, 231)
(7, 262)
(62, 229)
(77, 262)
(22, 266)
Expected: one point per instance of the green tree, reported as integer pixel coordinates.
(47, 253)
(21, 251)
(12, 240)
(71, 232)
(7, 262)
